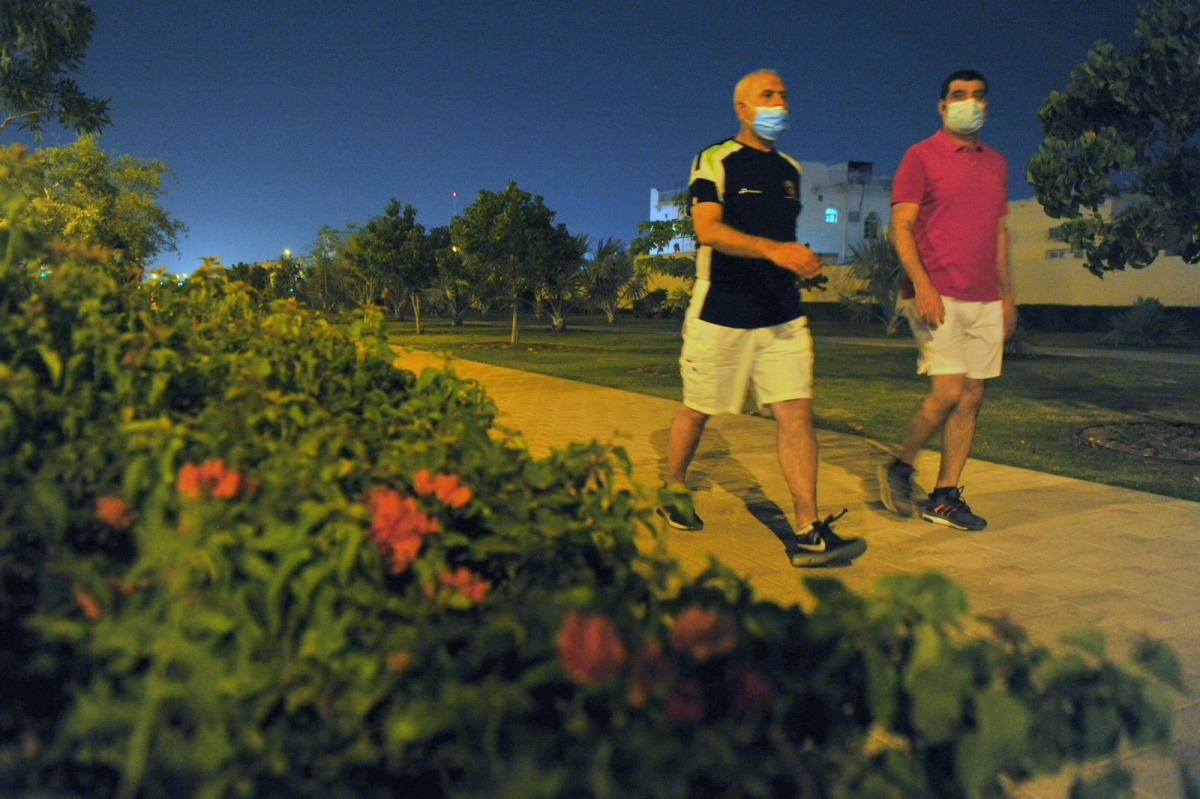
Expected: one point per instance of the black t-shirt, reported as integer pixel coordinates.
(760, 195)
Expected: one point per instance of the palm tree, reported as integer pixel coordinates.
(610, 278)
(561, 282)
(875, 274)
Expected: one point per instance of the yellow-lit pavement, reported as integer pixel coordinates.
(1059, 554)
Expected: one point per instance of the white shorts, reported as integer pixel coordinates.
(717, 364)
(969, 342)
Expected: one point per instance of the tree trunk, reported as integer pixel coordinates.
(515, 339)
(416, 306)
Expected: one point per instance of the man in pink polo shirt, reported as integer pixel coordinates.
(948, 207)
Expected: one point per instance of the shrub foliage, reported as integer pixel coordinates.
(242, 555)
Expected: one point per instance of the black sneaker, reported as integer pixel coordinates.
(820, 546)
(682, 521)
(896, 487)
(946, 506)
(677, 509)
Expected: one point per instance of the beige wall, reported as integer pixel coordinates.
(1042, 280)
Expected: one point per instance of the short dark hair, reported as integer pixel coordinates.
(962, 74)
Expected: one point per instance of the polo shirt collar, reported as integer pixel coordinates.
(944, 141)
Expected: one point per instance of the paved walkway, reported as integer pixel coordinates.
(1059, 554)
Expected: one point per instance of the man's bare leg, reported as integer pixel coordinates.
(958, 433)
(796, 443)
(931, 414)
(682, 443)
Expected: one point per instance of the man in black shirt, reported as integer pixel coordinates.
(745, 326)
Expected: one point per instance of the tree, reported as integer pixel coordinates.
(364, 273)
(399, 254)
(561, 283)
(610, 278)
(449, 289)
(42, 43)
(256, 276)
(507, 238)
(1127, 125)
(657, 234)
(111, 202)
(325, 273)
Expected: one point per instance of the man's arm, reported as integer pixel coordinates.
(930, 307)
(1004, 279)
(711, 231)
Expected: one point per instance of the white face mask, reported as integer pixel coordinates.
(964, 116)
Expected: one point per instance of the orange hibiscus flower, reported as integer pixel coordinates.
(445, 487)
(114, 512)
(397, 526)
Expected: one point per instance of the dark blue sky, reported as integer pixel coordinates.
(280, 117)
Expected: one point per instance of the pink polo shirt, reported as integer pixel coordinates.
(962, 191)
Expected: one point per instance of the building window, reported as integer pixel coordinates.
(1056, 234)
(871, 226)
(1055, 255)
(831, 216)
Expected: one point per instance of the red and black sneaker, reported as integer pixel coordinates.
(946, 506)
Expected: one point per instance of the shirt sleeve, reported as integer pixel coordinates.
(704, 180)
(908, 186)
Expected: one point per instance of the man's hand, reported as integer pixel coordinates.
(1010, 316)
(795, 257)
(930, 308)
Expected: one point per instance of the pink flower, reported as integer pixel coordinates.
(397, 526)
(685, 703)
(589, 648)
(114, 512)
(445, 487)
(703, 633)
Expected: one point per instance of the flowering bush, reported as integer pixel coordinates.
(242, 555)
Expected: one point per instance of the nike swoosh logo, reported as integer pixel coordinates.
(814, 547)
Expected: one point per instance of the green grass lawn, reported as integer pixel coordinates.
(1031, 418)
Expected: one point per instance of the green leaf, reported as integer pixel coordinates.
(1089, 640)
(938, 681)
(1160, 659)
(883, 686)
(47, 506)
(934, 596)
(53, 363)
(999, 742)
